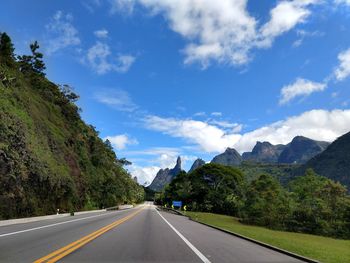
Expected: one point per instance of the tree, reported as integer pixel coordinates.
(32, 63)
(266, 202)
(68, 93)
(6, 50)
(37, 62)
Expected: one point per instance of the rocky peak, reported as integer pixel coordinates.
(197, 163)
(230, 157)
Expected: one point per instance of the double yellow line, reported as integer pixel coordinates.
(64, 251)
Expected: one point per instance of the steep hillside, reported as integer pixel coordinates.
(264, 152)
(334, 162)
(165, 176)
(230, 158)
(196, 164)
(49, 158)
(301, 149)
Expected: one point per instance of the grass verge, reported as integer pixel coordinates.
(324, 249)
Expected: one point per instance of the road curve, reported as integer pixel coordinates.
(141, 234)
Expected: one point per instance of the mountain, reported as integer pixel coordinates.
(49, 157)
(230, 158)
(334, 162)
(197, 163)
(301, 149)
(165, 176)
(264, 152)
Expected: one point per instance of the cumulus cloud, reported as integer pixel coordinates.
(301, 87)
(343, 70)
(145, 175)
(119, 142)
(117, 99)
(209, 137)
(284, 16)
(99, 58)
(61, 32)
(102, 33)
(223, 31)
(315, 124)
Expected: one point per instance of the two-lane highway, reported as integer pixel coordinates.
(142, 234)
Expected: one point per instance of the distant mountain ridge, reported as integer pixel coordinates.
(165, 176)
(230, 158)
(197, 164)
(334, 162)
(301, 149)
(298, 151)
(264, 152)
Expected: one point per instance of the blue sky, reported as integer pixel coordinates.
(163, 78)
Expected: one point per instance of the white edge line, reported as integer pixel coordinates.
(188, 243)
(56, 224)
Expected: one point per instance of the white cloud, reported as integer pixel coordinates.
(124, 6)
(99, 58)
(343, 70)
(315, 124)
(119, 142)
(216, 113)
(199, 114)
(102, 33)
(284, 16)
(301, 87)
(222, 31)
(116, 98)
(209, 137)
(145, 175)
(302, 34)
(61, 33)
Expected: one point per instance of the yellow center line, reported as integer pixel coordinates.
(64, 251)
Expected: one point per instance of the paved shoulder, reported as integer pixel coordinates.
(218, 246)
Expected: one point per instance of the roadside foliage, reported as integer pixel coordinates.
(49, 158)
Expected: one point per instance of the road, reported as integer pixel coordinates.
(141, 234)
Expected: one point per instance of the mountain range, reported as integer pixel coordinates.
(298, 151)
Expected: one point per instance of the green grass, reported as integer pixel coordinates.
(320, 248)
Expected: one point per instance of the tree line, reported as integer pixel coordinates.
(308, 204)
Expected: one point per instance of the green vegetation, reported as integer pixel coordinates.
(324, 249)
(282, 172)
(49, 158)
(310, 204)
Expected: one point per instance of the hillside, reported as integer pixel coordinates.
(230, 158)
(264, 152)
(165, 176)
(196, 164)
(334, 162)
(49, 158)
(301, 149)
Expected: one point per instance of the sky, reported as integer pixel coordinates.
(189, 78)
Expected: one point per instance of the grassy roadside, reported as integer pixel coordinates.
(324, 249)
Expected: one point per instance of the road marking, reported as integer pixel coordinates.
(188, 243)
(55, 224)
(66, 250)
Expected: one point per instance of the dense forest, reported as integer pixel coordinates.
(309, 204)
(49, 158)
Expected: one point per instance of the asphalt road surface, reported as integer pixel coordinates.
(141, 234)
